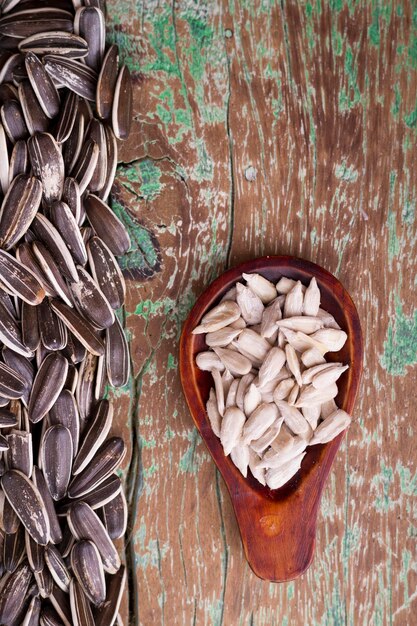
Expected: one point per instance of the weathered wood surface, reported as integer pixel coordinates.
(270, 127)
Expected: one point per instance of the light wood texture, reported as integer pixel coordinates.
(287, 128)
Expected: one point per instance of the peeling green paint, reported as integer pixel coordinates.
(172, 362)
(147, 308)
(350, 96)
(187, 463)
(400, 347)
(345, 172)
(393, 242)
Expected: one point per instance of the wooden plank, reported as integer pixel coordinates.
(268, 127)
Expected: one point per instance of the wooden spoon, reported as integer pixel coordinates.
(278, 527)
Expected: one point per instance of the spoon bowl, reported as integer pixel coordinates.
(278, 527)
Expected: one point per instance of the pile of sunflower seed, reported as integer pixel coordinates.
(64, 102)
(273, 390)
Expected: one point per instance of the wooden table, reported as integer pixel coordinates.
(270, 127)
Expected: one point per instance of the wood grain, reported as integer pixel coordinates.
(270, 127)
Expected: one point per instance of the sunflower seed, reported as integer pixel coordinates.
(7, 419)
(213, 414)
(122, 107)
(26, 256)
(80, 327)
(44, 582)
(231, 428)
(22, 24)
(250, 305)
(240, 457)
(107, 225)
(14, 594)
(84, 392)
(111, 149)
(72, 74)
(10, 333)
(327, 408)
(73, 145)
(40, 482)
(72, 197)
(56, 457)
(20, 452)
(236, 363)
(49, 235)
(60, 43)
(260, 420)
(107, 613)
(33, 613)
(88, 569)
(89, 23)
(276, 478)
(332, 426)
(106, 272)
(48, 165)
(284, 285)
(57, 567)
(86, 164)
(4, 445)
(262, 287)
(35, 118)
(51, 272)
(106, 83)
(94, 436)
(7, 66)
(65, 412)
(66, 224)
(302, 323)
(60, 601)
(19, 160)
(257, 471)
(35, 553)
(11, 521)
(67, 116)
(80, 607)
(104, 493)
(333, 339)
(4, 161)
(311, 303)
(312, 357)
(12, 385)
(95, 132)
(74, 350)
(85, 524)
(310, 395)
(42, 84)
(28, 504)
(117, 355)
(252, 400)
(13, 549)
(312, 414)
(13, 120)
(53, 332)
(106, 460)
(47, 386)
(19, 280)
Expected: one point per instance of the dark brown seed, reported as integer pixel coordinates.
(19, 160)
(8, 91)
(14, 594)
(56, 457)
(101, 378)
(115, 516)
(24, 368)
(106, 272)
(66, 224)
(80, 607)
(7, 419)
(106, 83)
(13, 121)
(20, 452)
(52, 330)
(30, 328)
(28, 504)
(85, 524)
(107, 225)
(75, 351)
(4, 444)
(51, 270)
(65, 412)
(49, 235)
(107, 613)
(64, 44)
(10, 333)
(12, 385)
(84, 392)
(72, 197)
(107, 459)
(11, 521)
(122, 108)
(19, 280)
(44, 582)
(117, 356)
(73, 145)
(26, 256)
(103, 494)
(60, 602)
(47, 386)
(95, 131)
(34, 553)
(80, 327)
(57, 567)
(86, 164)
(33, 613)
(89, 23)
(88, 569)
(49, 617)
(19, 208)
(7, 68)
(72, 74)
(90, 300)
(19, 73)
(4, 161)
(111, 144)
(35, 118)
(87, 232)
(6, 300)
(23, 24)
(66, 117)
(72, 378)
(94, 436)
(42, 84)
(13, 549)
(41, 354)
(67, 542)
(55, 528)
(48, 165)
